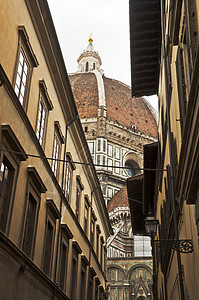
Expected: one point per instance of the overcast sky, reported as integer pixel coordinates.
(108, 21)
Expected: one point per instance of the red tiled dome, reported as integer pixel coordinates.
(121, 107)
(118, 200)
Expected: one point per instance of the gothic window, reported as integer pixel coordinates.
(110, 150)
(110, 164)
(117, 164)
(117, 152)
(91, 147)
(110, 192)
(98, 145)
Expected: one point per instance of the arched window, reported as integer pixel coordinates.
(129, 167)
(86, 66)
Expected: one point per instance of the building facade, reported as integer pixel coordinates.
(175, 75)
(116, 127)
(54, 223)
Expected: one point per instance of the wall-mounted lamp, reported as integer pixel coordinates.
(183, 246)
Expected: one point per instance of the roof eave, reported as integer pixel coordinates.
(145, 41)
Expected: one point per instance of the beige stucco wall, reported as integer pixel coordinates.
(12, 14)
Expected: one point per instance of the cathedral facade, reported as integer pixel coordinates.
(116, 127)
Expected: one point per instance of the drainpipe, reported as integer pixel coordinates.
(62, 187)
(89, 260)
(170, 168)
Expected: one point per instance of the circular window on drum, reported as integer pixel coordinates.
(131, 167)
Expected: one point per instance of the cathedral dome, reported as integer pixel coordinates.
(92, 90)
(118, 200)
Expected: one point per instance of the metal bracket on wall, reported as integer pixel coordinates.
(183, 246)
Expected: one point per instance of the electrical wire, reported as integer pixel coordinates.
(78, 162)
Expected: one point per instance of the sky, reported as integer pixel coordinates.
(108, 22)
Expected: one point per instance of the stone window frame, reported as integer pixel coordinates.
(86, 208)
(52, 214)
(79, 189)
(98, 231)
(110, 167)
(91, 145)
(10, 142)
(108, 190)
(66, 235)
(70, 167)
(56, 153)
(84, 264)
(47, 106)
(76, 250)
(101, 145)
(117, 153)
(116, 169)
(110, 151)
(24, 47)
(34, 188)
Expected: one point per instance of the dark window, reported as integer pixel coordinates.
(83, 283)
(6, 182)
(91, 288)
(86, 128)
(96, 291)
(130, 167)
(101, 252)
(64, 256)
(86, 213)
(73, 278)
(97, 244)
(93, 66)
(86, 66)
(92, 230)
(29, 227)
(48, 248)
(78, 199)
